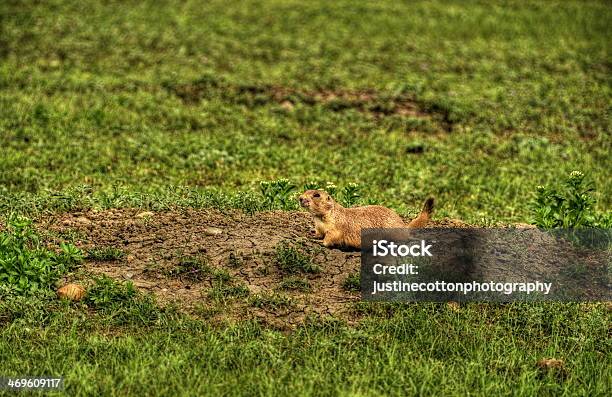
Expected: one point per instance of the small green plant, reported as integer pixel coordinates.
(26, 265)
(352, 282)
(295, 284)
(207, 310)
(68, 235)
(234, 261)
(350, 195)
(277, 194)
(331, 189)
(192, 269)
(222, 291)
(121, 303)
(105, 254)
(570, 205)
(106, 292)
(271, 301)
(222, 276)
(294, 257)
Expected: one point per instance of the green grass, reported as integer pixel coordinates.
(525, 88)
(222, 291)
(27, 265)
(105, 254)
(295, 284)
(352, 282)
(272, 301)
(162, 104)
(412, 349)
(294, 257)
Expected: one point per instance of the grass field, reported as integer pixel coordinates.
(187, 106)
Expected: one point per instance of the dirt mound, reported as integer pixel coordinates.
(368, 101)
(222, 265)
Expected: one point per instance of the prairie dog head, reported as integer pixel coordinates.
(317, 202)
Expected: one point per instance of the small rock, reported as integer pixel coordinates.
(287, 105)
(145, 214)
(212, 231)
(73, 292)
(128, 275)
(82, 220)
(144, 284)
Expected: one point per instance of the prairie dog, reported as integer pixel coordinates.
(341, 227)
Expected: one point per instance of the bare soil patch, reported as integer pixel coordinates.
(375, 103)
(155, 244)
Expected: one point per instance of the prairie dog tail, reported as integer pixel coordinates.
(423, 218)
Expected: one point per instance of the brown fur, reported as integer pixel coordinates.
(339, 226)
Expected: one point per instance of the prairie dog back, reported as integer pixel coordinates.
(339, 226)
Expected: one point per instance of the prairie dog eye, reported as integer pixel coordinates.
(317, 195)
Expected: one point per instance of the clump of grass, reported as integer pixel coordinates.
(568, 205)
(26, 265)
(67, 235)
(234, 261)
(192, 269)
(207, 310)
(295, 284)
(222, 291)
(106, 292)
(294, 257)
(197, 268)
(122, 302)
(352, 282)
(271, 301)
(264, 270)
(105, 254)
(222, 276)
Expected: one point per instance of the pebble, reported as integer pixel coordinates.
(83, 220)
(144, 284)
(287, 105)
(212, 231)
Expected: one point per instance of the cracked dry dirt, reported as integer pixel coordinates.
(244, 245)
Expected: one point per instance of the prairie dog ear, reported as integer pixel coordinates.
(328, 198)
